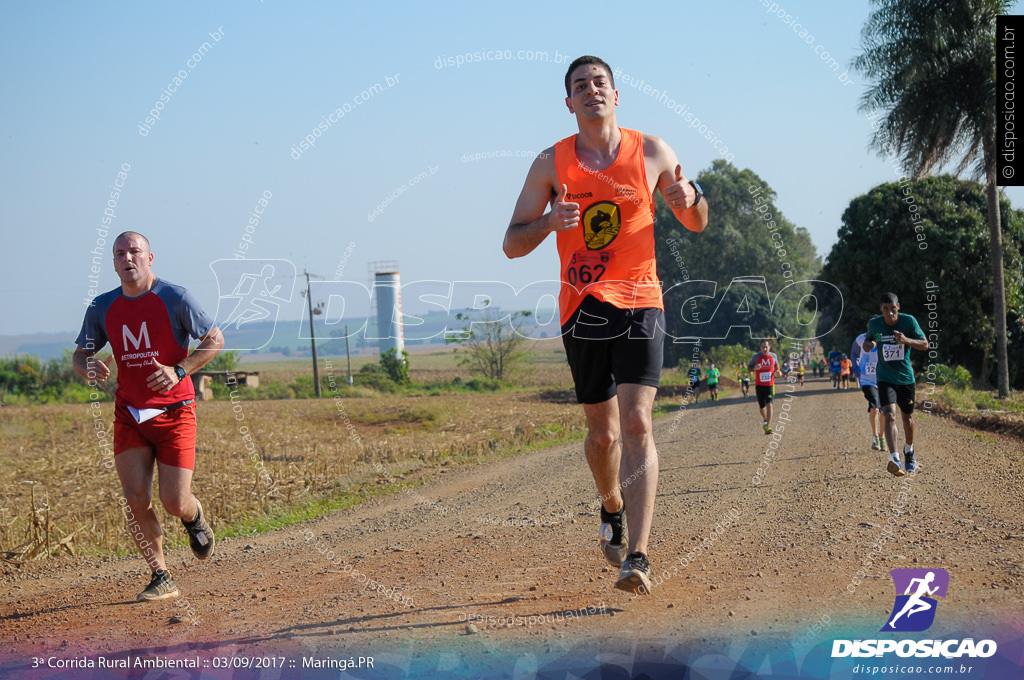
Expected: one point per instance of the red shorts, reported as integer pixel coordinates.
(171, 435)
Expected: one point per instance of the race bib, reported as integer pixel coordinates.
(869, 369)
(587, 267)
(892, 352)
(766, 376)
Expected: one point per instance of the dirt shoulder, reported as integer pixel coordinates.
(515, 541)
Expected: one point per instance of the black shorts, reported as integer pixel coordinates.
(694, 385)
(745, 382)
(765, 394)
(871, 394)
(901, 395)
(607, 346)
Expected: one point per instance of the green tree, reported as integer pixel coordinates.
(954, 265)
(226, 360)
(491, 345)
(736, 251)
(396, 367)
(932, 65)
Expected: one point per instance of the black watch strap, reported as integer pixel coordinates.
(700, 193)
(180, 372)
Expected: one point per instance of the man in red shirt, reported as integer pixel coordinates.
(148, 323)
(599, 184)
(765, 367)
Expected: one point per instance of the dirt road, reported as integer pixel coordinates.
(752, 547)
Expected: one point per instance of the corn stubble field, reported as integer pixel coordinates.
(60, 496)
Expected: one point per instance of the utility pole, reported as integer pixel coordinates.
(348, 356)
(312, 336)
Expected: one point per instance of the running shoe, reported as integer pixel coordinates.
(635, 575)
(893, 466)
(200, 535)
(875, 444)
(767, 428)
(612, 529)
(160, 587)
(909, 463)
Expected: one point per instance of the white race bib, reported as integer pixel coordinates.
(869, 369)
(892, 352)
(766, 376)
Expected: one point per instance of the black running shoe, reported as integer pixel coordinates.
(200, 535)
(635, 575)
(160, 587)
(613, 540)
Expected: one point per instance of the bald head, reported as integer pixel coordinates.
(130, 236)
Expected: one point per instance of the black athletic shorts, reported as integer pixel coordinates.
(607, 346)
(871, 394)
(765, 394)
(901, 395)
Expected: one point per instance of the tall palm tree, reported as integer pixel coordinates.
(932, 68)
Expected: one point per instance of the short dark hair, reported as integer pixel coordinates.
(583, 61)
(890, 299)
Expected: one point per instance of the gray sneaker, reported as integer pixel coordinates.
(894, 467)
(160, 587)
(614, 553)
(200, 535)
(635, 575)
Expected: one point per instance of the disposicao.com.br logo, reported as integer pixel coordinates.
(914, 611)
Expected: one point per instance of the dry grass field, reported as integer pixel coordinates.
(304, 457)
(60, 495)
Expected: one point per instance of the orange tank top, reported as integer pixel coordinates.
(610, 255)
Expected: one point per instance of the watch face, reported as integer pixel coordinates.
(180, 372)
(698, 188)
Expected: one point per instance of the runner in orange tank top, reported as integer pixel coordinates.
(599, 184)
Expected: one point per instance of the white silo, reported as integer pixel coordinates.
(387, 289)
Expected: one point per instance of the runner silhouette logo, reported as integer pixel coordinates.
(914, 609)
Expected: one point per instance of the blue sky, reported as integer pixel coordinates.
(80, 78)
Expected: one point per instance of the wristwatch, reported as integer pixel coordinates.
(700, 193)
(180, 372)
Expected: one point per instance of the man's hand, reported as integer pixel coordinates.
(900, 338)
(100, 368)
(162, 379)
(565, 215)
(679, 195)
(89, 367)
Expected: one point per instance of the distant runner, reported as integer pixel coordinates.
(834, 368)
(743, 377)
(765, 366)
(713, 375)
(800, 373)
(694, 375)
(867, 372)
(845, 367)
(896, 334)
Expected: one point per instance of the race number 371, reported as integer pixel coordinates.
(892, 352)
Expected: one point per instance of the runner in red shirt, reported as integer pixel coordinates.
(148, 323)
(765, 367)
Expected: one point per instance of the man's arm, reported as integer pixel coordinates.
(674, 186)
(920, 344)
(530, 225)
(164, 377)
